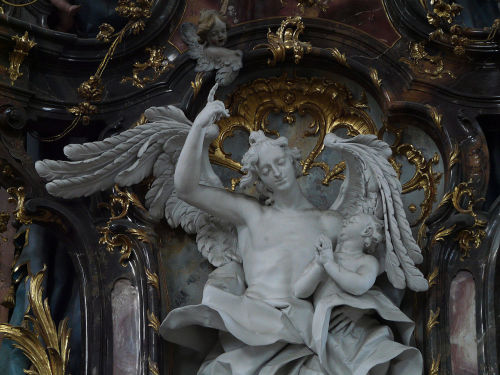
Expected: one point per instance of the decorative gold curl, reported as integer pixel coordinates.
(286, 39)
(119, 205)
(46, 347)
(330, 104)
(421, 62)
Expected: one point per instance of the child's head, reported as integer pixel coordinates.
(364, 226)
(212, 28)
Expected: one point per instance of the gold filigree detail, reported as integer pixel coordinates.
(119, 205)
(434, 370)
(454, 156)
(46, 346)
(433, 320)
(156, 62)
(136, 12)
(432, 278)
(286, 39)
(331, 106)
(437, 118)
(375, 78)
(153, 279)
(446, 199)
(339, 57)
(21, 49)
(154, 322)
(421, 62)
(196, 84)
(153, 367)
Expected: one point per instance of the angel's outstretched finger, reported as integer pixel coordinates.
(211, 94)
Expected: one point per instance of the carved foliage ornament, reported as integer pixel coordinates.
(286, 39)
(422, 63)
(157, 63)
(46, 346)
(23, 45)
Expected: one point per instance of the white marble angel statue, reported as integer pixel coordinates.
(273, 305)
(206, 46)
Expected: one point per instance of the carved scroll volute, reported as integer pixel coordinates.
(331, 106)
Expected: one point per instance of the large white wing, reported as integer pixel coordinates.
(371, 186)
(131, 156)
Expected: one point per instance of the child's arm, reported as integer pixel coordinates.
(307, 283)
(358, 282)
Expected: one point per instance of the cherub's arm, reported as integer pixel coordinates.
(216, 201)
(358, 282)
(307, 283)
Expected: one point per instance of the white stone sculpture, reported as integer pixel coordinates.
(206, 46)
(280, 301)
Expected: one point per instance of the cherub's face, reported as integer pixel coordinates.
(355, 227)
(275, 168)
(217, 35)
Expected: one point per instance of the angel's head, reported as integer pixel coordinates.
(270, 163)
(363, 227)
(212, 28)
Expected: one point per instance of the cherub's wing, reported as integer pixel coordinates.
(127, 159)
(190, 37)
(371, 186)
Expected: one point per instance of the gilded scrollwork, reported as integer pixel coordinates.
(469, 237)
(454, 156)
(377, 81)
(425, 64)
(119, 205)
(153, 279)
(436, 362)
(196, 84)
(330, 104)
(153, 321)
(432, 278)
(286, 38)
(46, 346)
(339, 57)
(157, 62)
(21, 49)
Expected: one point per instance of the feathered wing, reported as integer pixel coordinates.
(131, 156)
(371, 186)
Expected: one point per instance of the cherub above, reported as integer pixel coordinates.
(273, 304)
(206, 46)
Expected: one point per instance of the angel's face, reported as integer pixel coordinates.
(275, 168)
(217, 35)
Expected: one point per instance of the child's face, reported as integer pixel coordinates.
(355, 227)
(217, 35)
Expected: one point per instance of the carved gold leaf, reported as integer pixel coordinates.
(153, 279)
(154, 322)
(436, 116)
(157, 64)
(21, 49)
(434, 370)
(153, 367)
(286, 38)
(375, 78)
(339, 56)
(433, 320)
(442, 233)
(446, 199)
(422, 63)
(196, 84)
(454, 155)
(331, 106)
(140, 121)
(431, 279)
(46, 346)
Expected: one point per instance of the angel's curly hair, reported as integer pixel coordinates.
(375, 237)
(207, 21)
(251, 158)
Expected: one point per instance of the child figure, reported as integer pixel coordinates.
(351, 267)
(206, 46)
(66, 12)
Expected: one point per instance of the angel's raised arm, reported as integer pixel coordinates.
(235, 208)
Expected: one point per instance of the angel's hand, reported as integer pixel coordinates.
(324, 250)
(213, 111)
